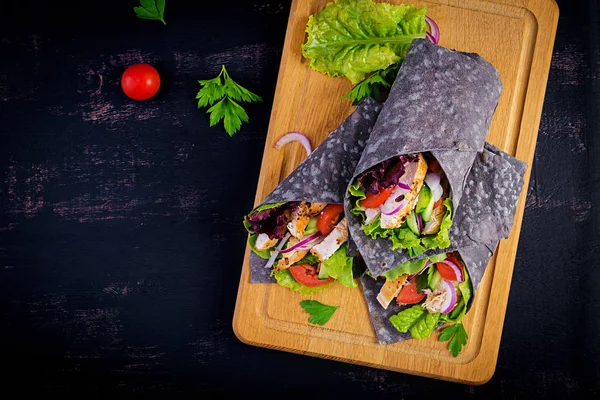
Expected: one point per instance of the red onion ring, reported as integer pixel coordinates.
(302, 242)
(269, 263)
(457, 270)
(404, 185)
(450, 302)
(434, 36)
(294, 137)
(420, 222)
(402, 203)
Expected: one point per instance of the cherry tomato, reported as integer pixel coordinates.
(446, 271)
(140, 81)
(375, 200)
(328, 218)
(409, 295)
(306, 274)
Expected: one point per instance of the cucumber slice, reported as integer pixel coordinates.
(426, 215)
(424, 197)
(311, 227)
(435, 279)
(413, 225)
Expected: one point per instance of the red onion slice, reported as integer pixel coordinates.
(392, 212)
(457, 270)
(302, 242)
(420, 222)
(450, 300)
(404, 185)
(294, 137)
(432, 180)
(434, 36)
(277, 250)
(312, 244)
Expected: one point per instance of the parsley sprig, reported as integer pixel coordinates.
(459, 337)
(223, 94)
(374, 85)
(320, 313)
(151, 9)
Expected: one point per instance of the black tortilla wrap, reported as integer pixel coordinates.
(475, 259)
(324, 175)
(441, 102)
(491, 194)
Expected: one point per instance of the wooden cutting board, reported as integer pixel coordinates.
(517, 37)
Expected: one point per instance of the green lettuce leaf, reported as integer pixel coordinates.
(285, 279)
(403, 237)
(266, 254)
(406, 318)
(442, 238)
(338, 266)
(417, 320)
(353, 38)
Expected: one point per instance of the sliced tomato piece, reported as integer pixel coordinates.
(375, 200)
(329, 218)
(409, 295)
(307, 275)
(438, 203)
(446, 271)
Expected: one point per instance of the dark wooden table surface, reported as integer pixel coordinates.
(120, 234)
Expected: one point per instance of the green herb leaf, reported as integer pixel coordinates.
(422, 282)
(320, 313)
(353, 38)
(230, 112)
(459, 338)
(151, 9)
(223, 94)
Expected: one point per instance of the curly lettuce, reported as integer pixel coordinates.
(338, 267)
(353, 38)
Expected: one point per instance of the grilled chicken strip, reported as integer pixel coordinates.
(263, 242)
(301, 215)
(332, 242)
(390, 290)
(413, 176)
(433, 225)
(287, 259)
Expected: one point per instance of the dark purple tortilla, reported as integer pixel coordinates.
(441, 102)
(475, 259)
(484, 217)
(323, 177)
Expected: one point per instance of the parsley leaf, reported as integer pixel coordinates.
(459, 338)
(151, 9)
(320, 313)
(422, 282)
(222, 94)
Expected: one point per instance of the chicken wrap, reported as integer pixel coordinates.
(298, 234)
(418, 296)
(410, 178)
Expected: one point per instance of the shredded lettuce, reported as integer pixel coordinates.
(285, 279)
(339, 267)
(353, 38)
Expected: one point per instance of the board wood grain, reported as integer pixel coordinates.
(516, 36)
